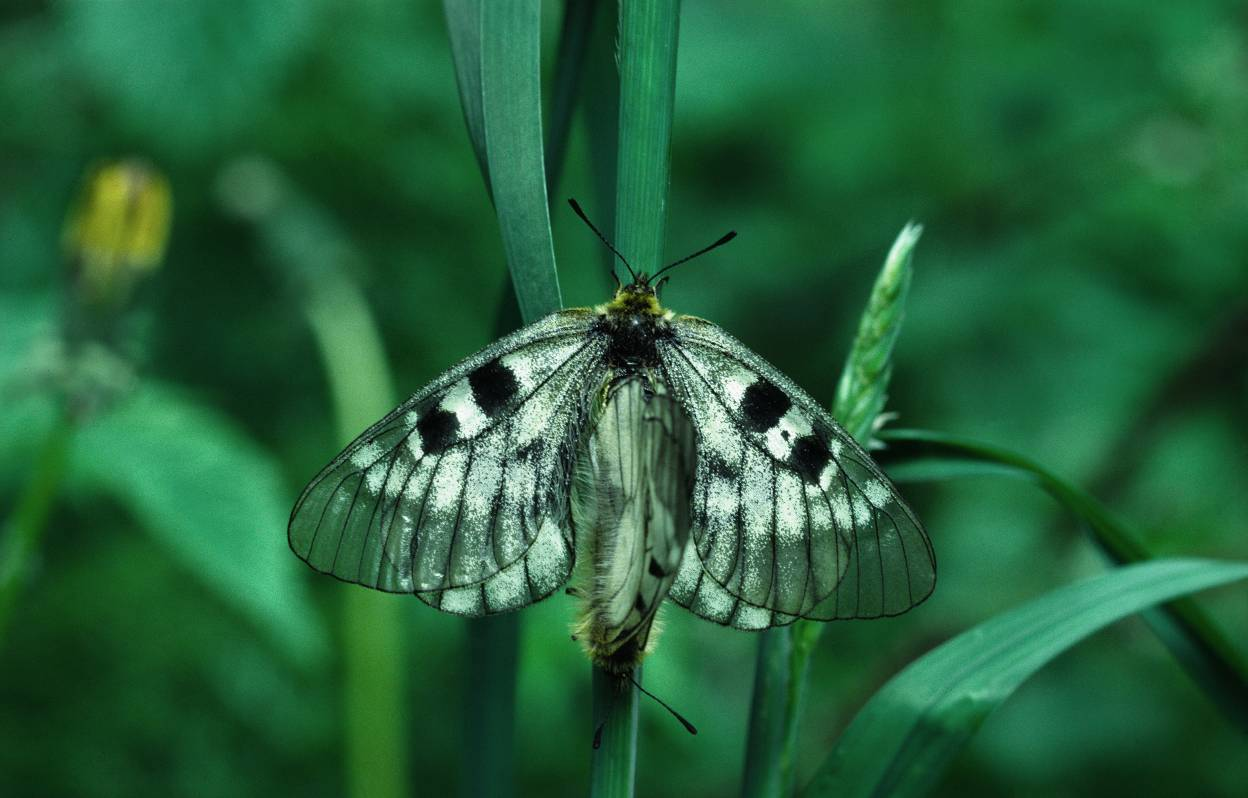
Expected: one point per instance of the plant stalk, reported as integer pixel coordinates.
(648, 31)
(614, 762)
(647, 52)
(25, 528)
(373, 654)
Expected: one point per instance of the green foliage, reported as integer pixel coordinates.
(211, 497)
(1184, 627)
(904, 739)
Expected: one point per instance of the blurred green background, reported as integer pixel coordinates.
(1079, 296)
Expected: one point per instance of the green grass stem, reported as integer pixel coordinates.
(613, 765)
(647, 56)
(373, 654)
(647, 53)
(25, 527)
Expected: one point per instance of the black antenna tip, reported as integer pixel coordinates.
(689, 727)
(576, 208)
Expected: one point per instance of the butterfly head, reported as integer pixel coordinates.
(642, 294)
(637, 297)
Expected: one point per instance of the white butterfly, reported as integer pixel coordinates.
(705, 476)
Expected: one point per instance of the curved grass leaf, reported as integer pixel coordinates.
(1190, 634)
(373, 646)
(497, 53)
(511, 105)
(903, 740)
(210, 496)
(463, 26)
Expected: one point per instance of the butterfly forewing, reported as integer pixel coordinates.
(790, 516)
(460, 495)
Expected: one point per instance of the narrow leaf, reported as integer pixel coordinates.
(574, 40)
(463, 25)
(512, 113)
(497, 55)
(601, 107)
(1191, 635)
(904, 739)
(648, 36)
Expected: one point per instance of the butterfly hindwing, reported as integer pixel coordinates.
(460, 494)
(632, 511)
(791, 519)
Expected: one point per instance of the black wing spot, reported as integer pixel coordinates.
(493, 386)
(438, 429)
(809, 456)
(763, 405)
(656, 570)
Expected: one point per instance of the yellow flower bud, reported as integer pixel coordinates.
(118, 228)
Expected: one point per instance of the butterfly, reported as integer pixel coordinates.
(673, 460)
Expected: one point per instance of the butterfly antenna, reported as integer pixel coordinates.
(598, 735)
(689, 727)
(576, 207)
(724, 239)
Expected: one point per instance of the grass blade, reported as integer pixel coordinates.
(512, 114)
(647, 39)
(770, 757)
(463, 27)
(497, 54)
(314, 256)
(600, 102)
(373, 654)
(903, 740)
(574, 39)
(1191, 635)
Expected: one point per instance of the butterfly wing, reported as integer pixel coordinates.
(791, 518)
(460, 494)
(632, 504)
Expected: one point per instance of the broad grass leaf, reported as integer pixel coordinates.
(213, 498)
(904, 739)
